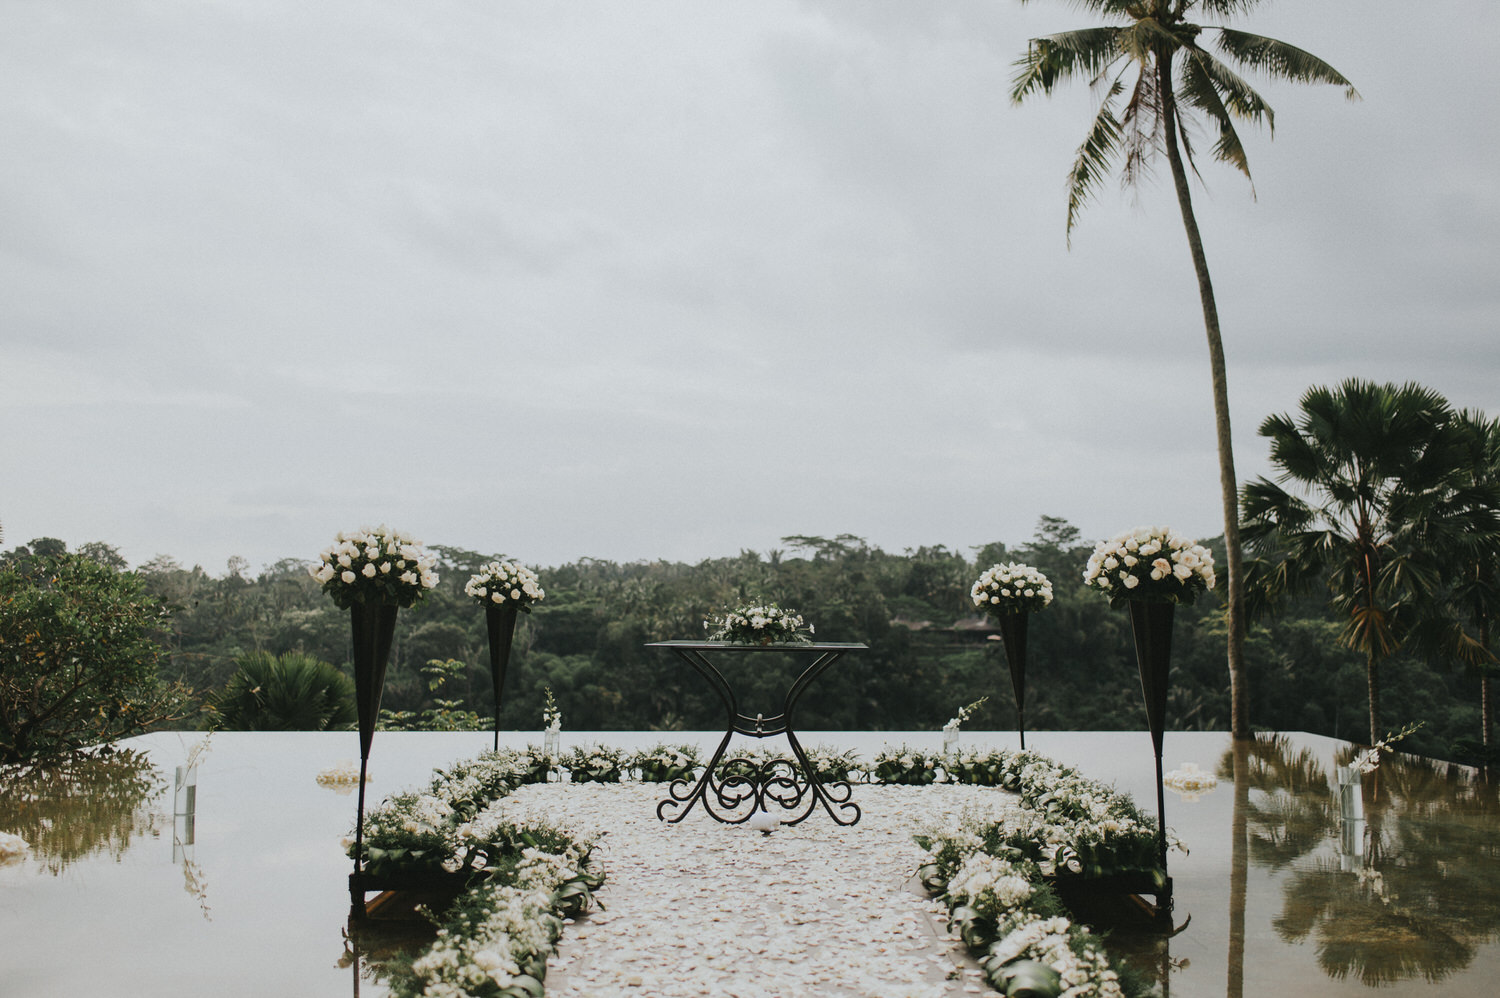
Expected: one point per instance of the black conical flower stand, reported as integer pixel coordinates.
(500, 621)
(1151, 623)
(374, 628)
(1013, 634)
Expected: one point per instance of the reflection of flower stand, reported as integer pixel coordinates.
(1013, 634)
(500, 621)
(1151, 624)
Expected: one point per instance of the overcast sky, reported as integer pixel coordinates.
(670, 279)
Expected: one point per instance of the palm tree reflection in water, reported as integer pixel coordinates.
(1421, 900)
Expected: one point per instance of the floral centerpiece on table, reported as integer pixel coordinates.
(375, 566)
(762, 624)
(1011, 588)
(1150, 564)
(505, 583)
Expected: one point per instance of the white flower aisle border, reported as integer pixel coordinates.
(994, 871)
(526, 876)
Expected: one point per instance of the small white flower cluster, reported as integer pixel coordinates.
(1151, 563)
(1068, 949)
(758, 625)
(663, 763)
(379, 565)
(502, 582)
(13, 848)
(1011, 588)
(989, 884)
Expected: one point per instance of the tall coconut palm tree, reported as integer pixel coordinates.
(1176, 81)
(1388, 513)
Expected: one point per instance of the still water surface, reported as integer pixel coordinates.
(118, 897)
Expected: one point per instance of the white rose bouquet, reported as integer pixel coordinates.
(504, 582)
(375, 566)
(1011, 588)
(1152, 564)
(763, 624)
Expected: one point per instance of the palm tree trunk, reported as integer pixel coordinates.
(1372, 683)
(1239, 690)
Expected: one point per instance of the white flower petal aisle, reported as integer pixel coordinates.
(703, 908)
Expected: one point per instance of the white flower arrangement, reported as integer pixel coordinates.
(1152, 564)
(505, 583)
(1011, 588)
(375, 566)
(762, 624)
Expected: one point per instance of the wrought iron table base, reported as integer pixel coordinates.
(726, 785)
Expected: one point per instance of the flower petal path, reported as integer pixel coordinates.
(706, 909)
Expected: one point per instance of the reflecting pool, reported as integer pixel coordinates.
(170, 869)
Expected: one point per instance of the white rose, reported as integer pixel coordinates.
(348, 576)
(368, 571)
(1131, 582)
(345, 560)
(409, 578)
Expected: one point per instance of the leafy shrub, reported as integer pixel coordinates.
(294, 692)
(78, 664)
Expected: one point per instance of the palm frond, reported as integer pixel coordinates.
(1059, 58)
(1239, 97)
(1119, 8)
(1141, 128)
(1198, 91)
(1095, 155)
(1278, 59)
(1228, 8)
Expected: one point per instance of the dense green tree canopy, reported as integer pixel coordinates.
(78, 665)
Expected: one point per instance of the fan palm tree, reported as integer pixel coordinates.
(295, 692)
(1391, 508)
(1176, 80)
(1477, 594)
